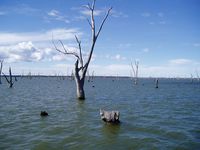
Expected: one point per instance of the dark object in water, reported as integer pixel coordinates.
(110, 116)
(156, 83)
(43, 113)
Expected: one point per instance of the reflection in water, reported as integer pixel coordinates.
(111, 130)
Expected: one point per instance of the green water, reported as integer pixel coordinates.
(163, 118)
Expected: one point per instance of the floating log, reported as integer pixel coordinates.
(110, 116)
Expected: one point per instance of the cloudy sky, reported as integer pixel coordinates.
(163, 35)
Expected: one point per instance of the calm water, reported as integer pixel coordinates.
(163, 118)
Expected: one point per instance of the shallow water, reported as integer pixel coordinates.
(163, 118)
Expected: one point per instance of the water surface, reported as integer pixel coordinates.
(163, 118)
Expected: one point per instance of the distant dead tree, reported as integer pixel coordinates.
(135, 71)
(1, 67)
(88, 75)
(9, 80)
(156, 83)
(198, 77)
(15, 78)
(81, 67)
(29, 75)
(192, 79)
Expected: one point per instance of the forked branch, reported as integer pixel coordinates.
(64, 51)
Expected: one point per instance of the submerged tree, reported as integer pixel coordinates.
(81, 67)
(135, 71)
(156, 83)
(1, 66)
(9, 80)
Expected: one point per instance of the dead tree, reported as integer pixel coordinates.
(92, 75)
(88, 76)
(1, 67)
(135, 71)
(81, 67)
(9, 80)
(192, 79)
(156, 83)
(198, 77)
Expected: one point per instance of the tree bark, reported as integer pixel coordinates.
(80, 90)
(79, 83)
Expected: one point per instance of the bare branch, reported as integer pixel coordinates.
(65, 50)
(6, 78)
(80, 51)
(106, 16)
(89, 22)
(133, 69)
(93, 4)
(93, 23)
(87, 6)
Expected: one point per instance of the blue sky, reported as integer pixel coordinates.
(163, 35)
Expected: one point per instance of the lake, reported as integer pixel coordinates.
(164, 118)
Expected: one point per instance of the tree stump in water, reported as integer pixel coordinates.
(110, 116)
(43, 114)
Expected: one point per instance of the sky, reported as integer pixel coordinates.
(163, 35)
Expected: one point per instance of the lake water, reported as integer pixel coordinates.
(164, 118)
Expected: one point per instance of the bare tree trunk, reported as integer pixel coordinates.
(10, 75)
(1, 63)
(135, 71)
(80, 89)
(79, 83)
(10, 81)
(156, 83)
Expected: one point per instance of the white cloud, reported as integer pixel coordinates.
(196, 44)
(56, 15)
(60, 57)
(108, 70)
(117, 57)
(88, 12)
(24, 51)
(25, 9)
(118, 14)
(180, 61)
(53, 13)
(60, 33)
(2, 13)
(28, 52)
(125, 45)
(167, 70)
(146, 14)
(19, 47)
